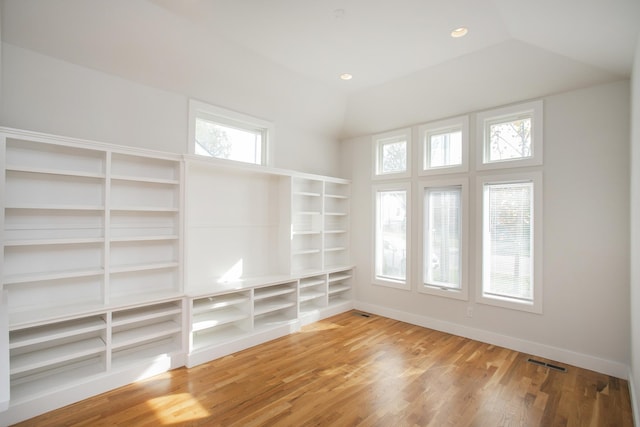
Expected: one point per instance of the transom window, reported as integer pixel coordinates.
(510, 136)
(445, 146)
(392, 154)
(223, 134)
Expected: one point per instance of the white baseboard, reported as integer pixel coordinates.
(634, 401)
(608, 367)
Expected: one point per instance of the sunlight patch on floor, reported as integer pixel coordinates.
(177, 408)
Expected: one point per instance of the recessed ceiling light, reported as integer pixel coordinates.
(346, 76)
(459, 32)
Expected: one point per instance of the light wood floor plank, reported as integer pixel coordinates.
(351, 370)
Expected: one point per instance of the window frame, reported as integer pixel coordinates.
(463, 292)
(378, 141)
(439, 127)
(223, 116)
(377, 279)
(536, 178)
(534, 109)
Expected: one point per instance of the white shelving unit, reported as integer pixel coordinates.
(340, 287)
(312, 295)
(100, 287)
(91, 268)
(336, 225)
(219, 318)
(306, 232)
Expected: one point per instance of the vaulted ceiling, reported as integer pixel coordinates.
(393, 49)
(378, 41)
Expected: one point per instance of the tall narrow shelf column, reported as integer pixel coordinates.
(91, 268)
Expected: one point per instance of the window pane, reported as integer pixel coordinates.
(226, 142)
(508, 240)
(394, 157)
(509, 140)
(442, 263)
(444, 149)
(391, 235)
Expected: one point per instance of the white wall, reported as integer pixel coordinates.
(49, 95)
(635, 232)
(585, 318)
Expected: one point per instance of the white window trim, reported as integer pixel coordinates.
(222, 115)
(536, 178)
(424, 131)
(463, 292)
(535, 109)
(377, 141)
(376, 280)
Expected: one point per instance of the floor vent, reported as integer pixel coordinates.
(548, 365)
(362, 314)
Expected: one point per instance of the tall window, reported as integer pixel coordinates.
(392, 154)
(223, 134)
(444, 238)
(391, 235)
(511, 220)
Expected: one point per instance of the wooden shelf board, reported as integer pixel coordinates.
(272, 320)
(217, 318)
(144, 313)
(57, 354)
(151, 238)
(140, 179)
(46, 385)
(307, 252)
(272, 306)
(222, 301)
(142, 267)
(42, 242)
(39, 277)
(144, 333)
(217, 336)
(54, 331)
(338, 277)
(308, 296)
(338, 289)
(268, 292)
(307, 283)
(49, 206)
(53, 171)
(142, 209)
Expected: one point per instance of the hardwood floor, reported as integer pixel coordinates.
(351, 370)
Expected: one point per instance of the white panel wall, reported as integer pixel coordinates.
(635, 233)
(586, 238)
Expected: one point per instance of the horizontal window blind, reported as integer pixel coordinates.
(508, 240)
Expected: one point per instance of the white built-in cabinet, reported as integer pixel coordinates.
(120, 263)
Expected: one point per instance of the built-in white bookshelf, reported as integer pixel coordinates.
(312, 294)
(340, 286)
(91, 266)
(306, 230)
(119, 263)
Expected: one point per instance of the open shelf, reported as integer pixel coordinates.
(56, 354)
(55, 331)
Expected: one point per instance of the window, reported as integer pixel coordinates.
(391, 235)
(511, 263)
(445, 146)
(392, 154)
(445, 229)
(223, 134)
(510, 136)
